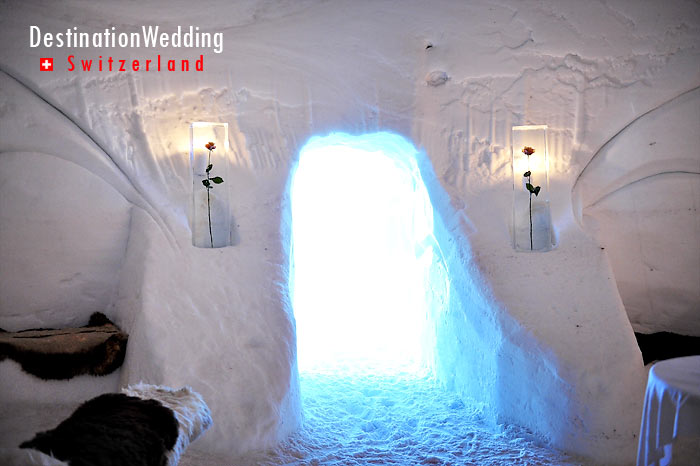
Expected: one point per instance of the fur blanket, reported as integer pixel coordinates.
(192, 413)
(97, 349)
(112, 430)
(146, 425)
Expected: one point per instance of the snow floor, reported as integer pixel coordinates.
(355, 420)
(392, 420)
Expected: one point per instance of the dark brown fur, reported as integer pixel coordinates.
(101, 359)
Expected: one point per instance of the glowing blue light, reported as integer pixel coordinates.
(363, 248)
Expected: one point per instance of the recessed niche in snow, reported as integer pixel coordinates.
(210, 217)
(363, 255)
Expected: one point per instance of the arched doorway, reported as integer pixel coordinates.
(363, 255)
(369, 288)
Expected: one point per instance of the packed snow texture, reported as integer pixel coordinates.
(361, 419)
(640, 197)
(538, 340)
(355, 419)
(62, 266)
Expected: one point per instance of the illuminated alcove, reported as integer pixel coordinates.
(364, 256)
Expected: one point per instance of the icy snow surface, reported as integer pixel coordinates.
(361, 419)
(353, 419)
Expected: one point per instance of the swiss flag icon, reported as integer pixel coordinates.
(47, 64)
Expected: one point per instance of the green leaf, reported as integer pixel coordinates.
(209, 167)
(529, 187)
(206, 183)
(537, 190)
(217, 180)
(527, 173)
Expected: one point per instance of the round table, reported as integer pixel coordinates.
(671, 419)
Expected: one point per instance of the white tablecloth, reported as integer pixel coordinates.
(671, 411)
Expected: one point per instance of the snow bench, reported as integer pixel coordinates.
(58, 354)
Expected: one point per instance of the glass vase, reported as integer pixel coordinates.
(532, 224)
(210, 219)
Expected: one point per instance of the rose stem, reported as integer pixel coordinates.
(211, 237)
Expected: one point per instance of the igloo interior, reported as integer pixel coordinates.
(405, 109)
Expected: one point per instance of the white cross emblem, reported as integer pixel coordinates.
(46, 64)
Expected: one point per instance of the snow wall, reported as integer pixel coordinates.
(541, 340)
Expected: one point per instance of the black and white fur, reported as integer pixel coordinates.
(146, 425)
(112, 430)
(192, 413)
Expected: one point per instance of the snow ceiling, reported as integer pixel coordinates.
(95, 189)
